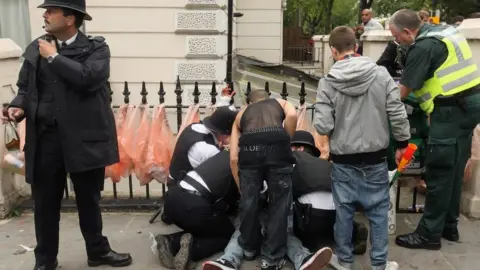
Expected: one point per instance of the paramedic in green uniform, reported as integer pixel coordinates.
(441, 73)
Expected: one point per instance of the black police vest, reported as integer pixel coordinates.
(48, 83)
(310, 174)
(217, 175)
(180, 164)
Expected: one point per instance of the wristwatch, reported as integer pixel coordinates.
(51, 57)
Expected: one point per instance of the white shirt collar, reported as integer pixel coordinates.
(69, 41)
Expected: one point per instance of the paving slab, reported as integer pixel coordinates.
(130, 232)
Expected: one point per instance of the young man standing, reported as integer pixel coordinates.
(355, 103)
(263, 153)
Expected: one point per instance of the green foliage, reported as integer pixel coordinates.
(383, 8)
(452, 8)
(344, 12)
(320, 16)
(448, 8)
(314, 15)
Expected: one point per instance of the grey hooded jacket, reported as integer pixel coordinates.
(355, 103)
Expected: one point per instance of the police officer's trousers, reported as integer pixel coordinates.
(449, 146)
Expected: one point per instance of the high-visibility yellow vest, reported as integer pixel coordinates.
(458, 73)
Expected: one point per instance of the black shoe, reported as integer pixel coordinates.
(46, 266)
(360, 237)
(112, 258)
(219, 264)
(318, 260)
(451, 234)
(165, 251)
(416, 241)
(181, 260)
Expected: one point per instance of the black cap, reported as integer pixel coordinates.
(305, 138)
(77, 5)
(221, 121)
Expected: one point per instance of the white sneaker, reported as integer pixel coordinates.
(336, 264)
(391, 265)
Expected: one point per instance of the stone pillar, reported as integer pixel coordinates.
(319, 48)
(327, 55)
(375, 42)
(13, 187)
(470, 201)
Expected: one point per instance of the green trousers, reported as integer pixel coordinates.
(448, 149)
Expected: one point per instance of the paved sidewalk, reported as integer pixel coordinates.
(129, 232)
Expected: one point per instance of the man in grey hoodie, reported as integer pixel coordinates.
(356, 101)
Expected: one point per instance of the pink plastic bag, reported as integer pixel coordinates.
(136, 139)
(303, 123)
(160, 149)
(192, 116)
(123, 167)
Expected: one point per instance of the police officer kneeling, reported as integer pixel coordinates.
(199, 142)
(200, 204)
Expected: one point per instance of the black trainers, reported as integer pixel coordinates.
(164, 249)
(219, 264)
(318, 260)
(267, 266)
(181, 260)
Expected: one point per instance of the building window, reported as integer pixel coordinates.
(15, 21)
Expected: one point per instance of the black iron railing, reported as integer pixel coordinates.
(148, 201)
(303, 55)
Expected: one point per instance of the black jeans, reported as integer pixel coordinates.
(314, 228)
(211, 231)
(279, 183)
(47, 189)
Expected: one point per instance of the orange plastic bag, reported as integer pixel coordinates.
(160, 148)
(192, 116)
(475, 157)
(121, 168)
(321, 142)
(135, 141)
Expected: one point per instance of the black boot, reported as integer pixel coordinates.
(451, 234)
(417, 241)
(47, 266)
(111, 258)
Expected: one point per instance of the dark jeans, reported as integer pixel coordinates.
(315, 228)
(211, 231)
(279, 183)
(449, 145)
(48, 187)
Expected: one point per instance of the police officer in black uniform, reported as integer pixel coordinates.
(200, 204)
(197, 143)
(70, 128)
(200, 141)
(311, 178)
